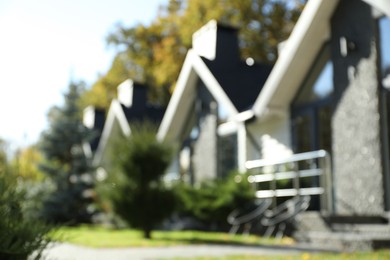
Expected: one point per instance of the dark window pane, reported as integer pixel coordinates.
(319, 84)
(324, 128)
(227, 147)
(384, 30)
(303, 133)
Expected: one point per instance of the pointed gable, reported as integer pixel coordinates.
(214, 60)
(131, 106)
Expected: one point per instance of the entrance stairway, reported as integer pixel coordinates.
(343, 233)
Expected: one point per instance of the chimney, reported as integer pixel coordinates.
(93, 118)
(89, 117)
(215, 41)
(132, 94)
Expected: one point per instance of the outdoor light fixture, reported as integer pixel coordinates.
(250, 61)
(346, 46)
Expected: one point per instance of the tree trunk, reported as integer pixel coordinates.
(147, 233)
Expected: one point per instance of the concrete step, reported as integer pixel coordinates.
(344, 241)
(380, 229)
(360, 224)
(343, 233)
(311, 221)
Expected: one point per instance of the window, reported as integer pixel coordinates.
(222, 113)
(311, 113)
(384, 51)
(384, 31)
(227, 154)
(311, 109)
(319, 84)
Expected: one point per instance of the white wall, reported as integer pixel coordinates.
(105, 156)
(242, 152)
(273, 135)
(173, 171)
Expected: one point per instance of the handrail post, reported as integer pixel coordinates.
(324, 207)
(329, 186)
(326, 184)
(296, 184)
(273, 188)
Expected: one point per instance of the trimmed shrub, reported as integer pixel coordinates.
(213, 200)
(135, 187)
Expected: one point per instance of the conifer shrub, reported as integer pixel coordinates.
(135, 186)
(66, 164)
(20, 236)
(212, 200)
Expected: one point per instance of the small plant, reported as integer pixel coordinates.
(19, 236)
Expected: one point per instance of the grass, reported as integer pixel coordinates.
(378, 255)
(110, 238)
(99, 237)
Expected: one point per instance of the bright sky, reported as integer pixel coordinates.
(43, 44)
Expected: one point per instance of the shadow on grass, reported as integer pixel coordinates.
(199, 241)
(276, 244)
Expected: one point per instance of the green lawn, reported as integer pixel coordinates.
(378, 255)
(99, 237)
(103, 237)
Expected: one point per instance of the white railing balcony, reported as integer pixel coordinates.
(315, 166)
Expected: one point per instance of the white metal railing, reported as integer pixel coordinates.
(320, 166)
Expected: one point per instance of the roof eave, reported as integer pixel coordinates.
(181, 100)
(381, 5)
(307, 38)
(115, 112)
(186, 77)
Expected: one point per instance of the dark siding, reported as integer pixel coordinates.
(356, 122)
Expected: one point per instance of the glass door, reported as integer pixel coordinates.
(303, 130)
(384, 52)
(311, 112)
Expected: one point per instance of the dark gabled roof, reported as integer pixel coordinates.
(215, 60)
(242, 83)
(152, 113)
(97, 128)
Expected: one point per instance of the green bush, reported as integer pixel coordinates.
(213, 200)
(19, 236)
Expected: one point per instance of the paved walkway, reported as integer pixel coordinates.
(73, 252)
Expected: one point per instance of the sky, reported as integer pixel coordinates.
(44, 44)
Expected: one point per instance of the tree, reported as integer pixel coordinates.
(136, 187)
(20, 235)
(155, 53)
(25, 164)
(66, 164)
(3, 156)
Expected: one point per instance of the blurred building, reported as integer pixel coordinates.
(316, 123)
(129, 108)
(324, 113)
(214, 86)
